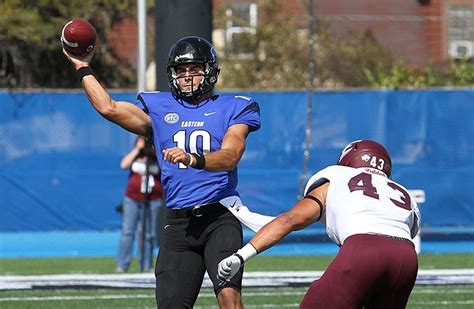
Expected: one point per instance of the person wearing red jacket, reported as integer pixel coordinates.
(141, 204)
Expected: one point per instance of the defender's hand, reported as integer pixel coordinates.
(228, 267)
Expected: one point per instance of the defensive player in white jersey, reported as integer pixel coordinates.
(370, 217)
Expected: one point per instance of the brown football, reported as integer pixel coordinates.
(78, 37)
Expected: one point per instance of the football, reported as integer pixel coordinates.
(78, 37)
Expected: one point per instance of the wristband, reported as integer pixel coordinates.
(84, 71)
(246, 252)
(240, 258)
(191, 159)
(200, 161)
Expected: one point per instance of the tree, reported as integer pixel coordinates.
(30, 52)
(279, 54)
(277, 57)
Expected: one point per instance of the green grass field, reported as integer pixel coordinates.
(422, 297)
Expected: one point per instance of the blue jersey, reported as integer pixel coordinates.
(196, 128)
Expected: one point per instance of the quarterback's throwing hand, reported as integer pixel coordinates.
(228, 267)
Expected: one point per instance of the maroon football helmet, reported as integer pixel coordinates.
(366, 153)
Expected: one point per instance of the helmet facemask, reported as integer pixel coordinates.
(195, 93)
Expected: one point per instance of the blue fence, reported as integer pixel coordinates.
(59, 160)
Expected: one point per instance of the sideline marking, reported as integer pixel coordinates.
(443, 302)
(250, 279)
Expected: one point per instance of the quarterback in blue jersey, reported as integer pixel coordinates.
(199, 138)
(183, 129)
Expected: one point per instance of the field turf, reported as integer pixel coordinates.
(452, 296)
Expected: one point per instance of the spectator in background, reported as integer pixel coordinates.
(140, 206)
(371, 218)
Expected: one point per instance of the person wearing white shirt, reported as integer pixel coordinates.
(372, 218)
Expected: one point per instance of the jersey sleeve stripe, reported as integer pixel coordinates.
(145, 107)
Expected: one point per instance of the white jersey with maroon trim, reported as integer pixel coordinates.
(361, 201)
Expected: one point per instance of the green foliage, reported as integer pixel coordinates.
(30, 50)
(461, 73)
(279, 58)
(401, 75)
(279, 55)
(276, 56)
(343, 61)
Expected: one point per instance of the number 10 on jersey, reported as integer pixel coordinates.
(190, 144)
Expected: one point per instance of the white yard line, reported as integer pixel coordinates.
(131, 296)
(251, 279)
(283, 291)
(468, 290)
(62, 298)
(443, 302)
(205, 294)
